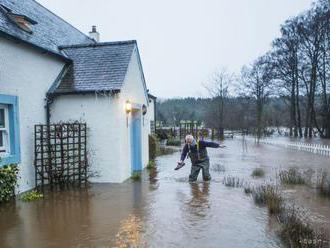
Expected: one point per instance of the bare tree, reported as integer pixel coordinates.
(257, 84)
(217, 88)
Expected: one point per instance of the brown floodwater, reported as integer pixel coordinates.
(164, 210)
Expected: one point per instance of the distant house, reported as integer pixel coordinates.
(50, 72)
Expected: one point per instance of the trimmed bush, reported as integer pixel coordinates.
(173, 142)
(8, 182)
(162, 134)
(258, 172)
(151, 164)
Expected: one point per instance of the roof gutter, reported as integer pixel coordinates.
(85, 92)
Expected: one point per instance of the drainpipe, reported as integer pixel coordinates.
(49, 101)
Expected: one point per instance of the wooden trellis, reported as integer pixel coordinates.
(60, 154)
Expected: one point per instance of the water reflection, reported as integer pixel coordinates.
(199, 202)
(8, 223)
(130, 233)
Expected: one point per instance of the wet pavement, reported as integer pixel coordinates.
(164, 210)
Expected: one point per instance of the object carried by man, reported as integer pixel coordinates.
(179, 166)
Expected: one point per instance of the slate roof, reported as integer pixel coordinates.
(49, 33)
(95, 67)
(90, 67)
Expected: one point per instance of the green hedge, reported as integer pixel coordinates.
(8, 182)
(173, 142)
(153, 147)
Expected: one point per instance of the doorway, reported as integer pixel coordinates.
(136, 143)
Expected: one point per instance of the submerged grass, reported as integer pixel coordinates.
(248, 189)
(270, 196)
(292, 177)
(234, 182)
(258, 172)
(323, 184)
(297, 232)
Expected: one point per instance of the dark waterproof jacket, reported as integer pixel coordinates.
(198, 152)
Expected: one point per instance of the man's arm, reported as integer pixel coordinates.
(210, 144)
(184, 153)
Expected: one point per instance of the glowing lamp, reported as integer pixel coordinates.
(128, 106)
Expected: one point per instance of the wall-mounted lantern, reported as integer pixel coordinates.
(128, 107)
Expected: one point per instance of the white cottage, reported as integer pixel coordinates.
(50, 72)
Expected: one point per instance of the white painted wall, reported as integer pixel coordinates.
(100, 112)
(134, 91)
(27, 73)
(109, 136)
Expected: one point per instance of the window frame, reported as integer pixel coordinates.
(5, 149)
(13, 156)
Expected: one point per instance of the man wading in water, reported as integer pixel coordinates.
(199, 158)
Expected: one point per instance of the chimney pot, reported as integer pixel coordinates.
(94, 34)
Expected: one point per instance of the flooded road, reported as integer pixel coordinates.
(163, 210)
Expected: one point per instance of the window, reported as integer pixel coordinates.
(9, 130)
(22, 21)
(4, 131)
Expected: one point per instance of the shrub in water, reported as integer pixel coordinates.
(8, 182)
(136, 176)
(151, 164)
(258, 172)
(291, 176)
(31, 196)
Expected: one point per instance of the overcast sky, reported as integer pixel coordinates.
(182, 42)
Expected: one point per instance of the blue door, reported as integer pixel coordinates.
(136, 141)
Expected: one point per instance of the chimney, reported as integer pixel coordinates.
(94, 34)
